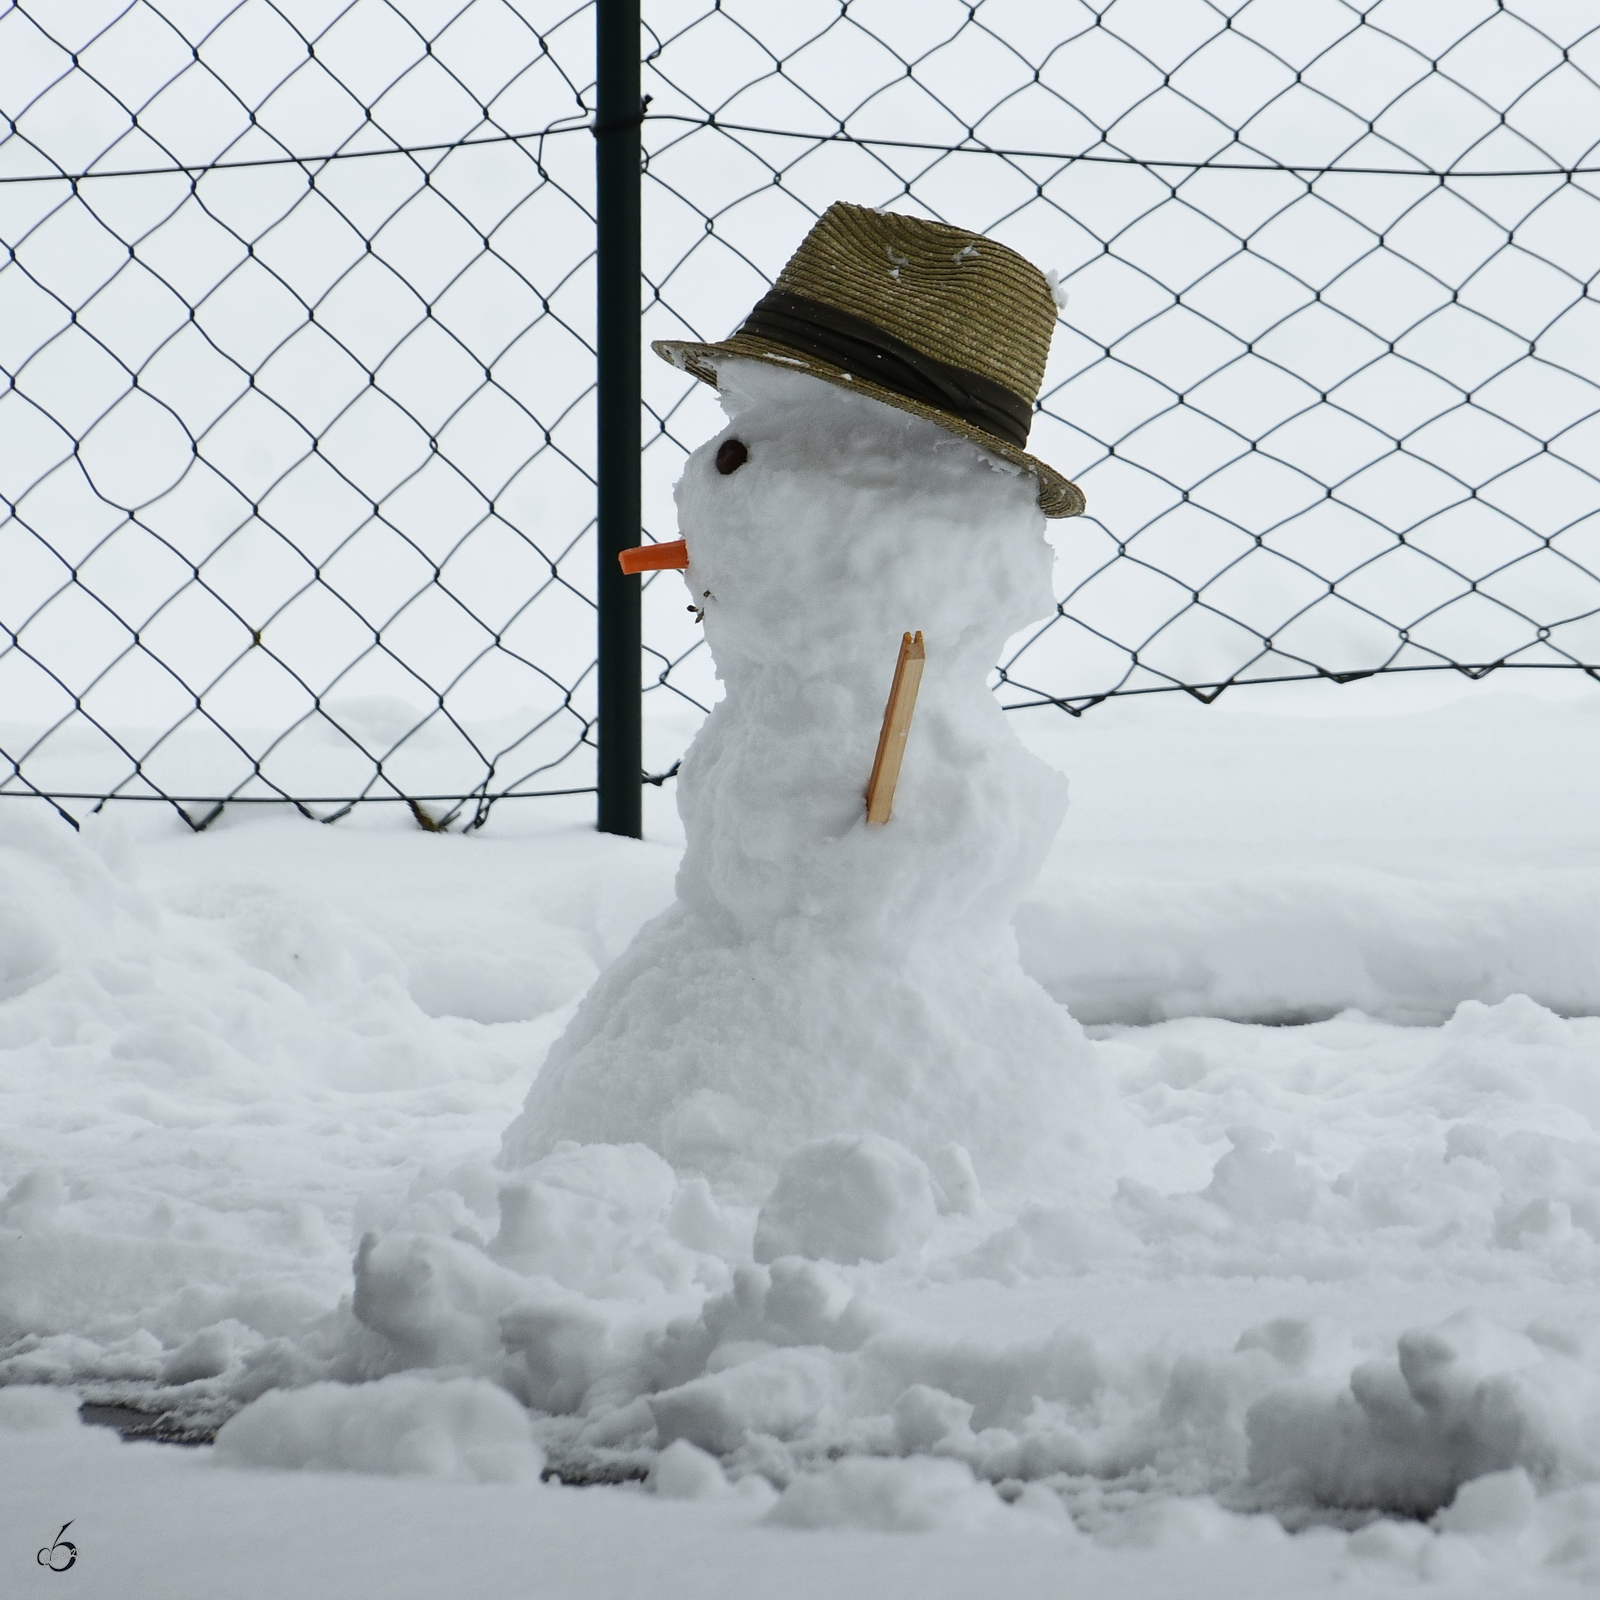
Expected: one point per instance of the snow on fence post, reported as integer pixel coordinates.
(617, 164)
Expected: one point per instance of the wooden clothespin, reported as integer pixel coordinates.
(896, 727)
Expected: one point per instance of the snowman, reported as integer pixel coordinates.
(826, 979)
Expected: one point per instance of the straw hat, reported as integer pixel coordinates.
(932, 319)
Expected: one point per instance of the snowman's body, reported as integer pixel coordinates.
(818, 975)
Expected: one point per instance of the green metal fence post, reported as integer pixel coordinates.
(617, 144)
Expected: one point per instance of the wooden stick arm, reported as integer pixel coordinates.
(896, 729)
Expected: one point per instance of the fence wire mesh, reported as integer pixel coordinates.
(297, 324)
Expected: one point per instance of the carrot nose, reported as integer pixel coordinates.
(672, 556)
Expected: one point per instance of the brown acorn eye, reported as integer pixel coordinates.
(731, 455)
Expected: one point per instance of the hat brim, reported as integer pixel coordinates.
(1058, 496)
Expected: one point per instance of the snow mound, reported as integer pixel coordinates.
(1460, 1400)
(849, 1198)
(817, 976)
(400, 1426)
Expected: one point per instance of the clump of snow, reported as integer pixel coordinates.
(1496, 1503)
(817, 976)
(403, 1426)
(598, 1248)
(1459, 1400)
(208, 1353)
(854, 1197)
(1189, 1520)
(683, 1472)
(779, 1394)
(1257, 1182)
(892, 1496)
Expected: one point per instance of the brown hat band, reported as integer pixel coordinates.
(857, 346)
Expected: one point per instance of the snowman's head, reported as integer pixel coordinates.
(819, 519)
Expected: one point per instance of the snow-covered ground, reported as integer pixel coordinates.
(1321, 1313)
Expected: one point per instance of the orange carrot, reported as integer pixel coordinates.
(672, 556)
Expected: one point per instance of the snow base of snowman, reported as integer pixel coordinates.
(821, 978)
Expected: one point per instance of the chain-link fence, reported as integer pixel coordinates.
(297, 455)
